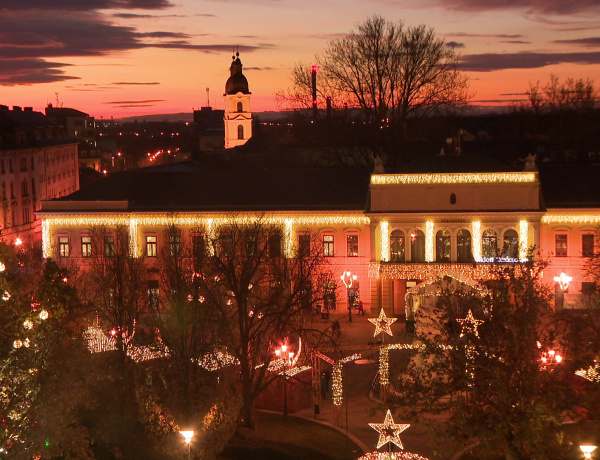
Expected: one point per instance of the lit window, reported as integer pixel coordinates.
(442, 246)
(510, 247)
(86, 246)
(352, 245)
(153, 294)
(560, 245)
(463, 247)
(587, 245)
(151, 246)
(328, 245)
(304, 245)
(109, 246)
(174, 246)
(397, 246)
(417, 246)
(489, 242)
(63, 246)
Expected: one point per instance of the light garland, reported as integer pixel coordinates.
(476, 231)
(523, 240)
(384, 366)
(453, 178)
(593, 219)
(592, 373)
(210, 222)
(429, 241)
(385, 240)
(469, 325)
(427, 271)
(389, 431)
(376, 455)
(382, 324)
(337, 385)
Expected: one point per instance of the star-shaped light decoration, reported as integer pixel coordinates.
(469, 325)
(382, 324)
(389, 431)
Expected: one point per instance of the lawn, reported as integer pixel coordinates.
(293, 439)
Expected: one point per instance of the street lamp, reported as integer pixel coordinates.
(188, 435)
(287, 358)
(348, 279)
(587, 450)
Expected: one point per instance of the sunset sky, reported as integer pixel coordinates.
(134, 57)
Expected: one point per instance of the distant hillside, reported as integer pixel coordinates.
(189, 117)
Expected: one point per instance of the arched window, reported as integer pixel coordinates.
(397, 246)
(464, 252)
(511, 244)
(417, 246)
(489, 241)
(240, 132)
(240, 107)
(442, 246)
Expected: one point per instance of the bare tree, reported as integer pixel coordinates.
(387, 70)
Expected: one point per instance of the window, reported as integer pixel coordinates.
(417, 246)
(251, 245)
(588, 287)
(151, 246)
(24, 188)
(397, 246)
(86, 246)
(240, 132)
(464, 252)
(153, 294)
(63, 246)
(304, 245)
(275, 245)
(510, 246)
(560, 245)
(452, 198)
(352, 245)
(587, 245)
(225, 245)
(23, 163)
(328, 245)
(26, 215)
(109, 246)
(442, 246)
(489, 241)
(2, 170)
(240, 107)
(12, 190)
(198, 244)
(174, 245)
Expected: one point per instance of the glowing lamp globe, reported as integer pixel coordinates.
(188, 435)
(587, 450)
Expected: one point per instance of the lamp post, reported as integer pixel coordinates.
(287, 358)
(348, 279)
(587, 450)
(188, 435)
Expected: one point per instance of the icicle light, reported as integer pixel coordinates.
(385, 241)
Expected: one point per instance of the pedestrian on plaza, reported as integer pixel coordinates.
(361, 310)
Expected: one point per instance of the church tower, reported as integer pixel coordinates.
(238, 115)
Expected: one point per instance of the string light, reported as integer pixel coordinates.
(476, 230)
(382, 324)
(523, 240)
(385, 241)
(433, 271)
(28, 324)
(469, 325)
(429, 241)
(6, 296)
(453, 178)
(571, 219)
(376, 455)
(389, 431)
(592, 373)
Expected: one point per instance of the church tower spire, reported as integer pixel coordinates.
(238, 114)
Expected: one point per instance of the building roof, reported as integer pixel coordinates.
(188, 186)
(465, 163)
(237, 82)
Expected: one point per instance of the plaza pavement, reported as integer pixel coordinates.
(363, 409)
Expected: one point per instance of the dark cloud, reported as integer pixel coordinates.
(135, 102)
(82, 5)
(159, 16)
(464, 34)
(49, 34)
(557, 7)
(259, 68)
(126, 83)
(455, 44)
(491, 61)
(516, 42)
(31, 71)
(589, 42)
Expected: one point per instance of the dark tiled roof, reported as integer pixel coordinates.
(570, 186)
(189, 187)
(454, 164)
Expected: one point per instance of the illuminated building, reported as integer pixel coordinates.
(238, 113)
(36, 163)
(453, 216)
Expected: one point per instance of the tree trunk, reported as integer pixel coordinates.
(247, 420)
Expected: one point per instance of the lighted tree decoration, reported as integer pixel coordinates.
(389, 433)
(382, 324)
(470, 325)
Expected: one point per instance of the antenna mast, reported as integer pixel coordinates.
(207, 96)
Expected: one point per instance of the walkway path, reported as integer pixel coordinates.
(358, 409)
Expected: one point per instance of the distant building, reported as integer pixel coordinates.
(36, 163)
(75, 123)
(238, 113)
(209, 127)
